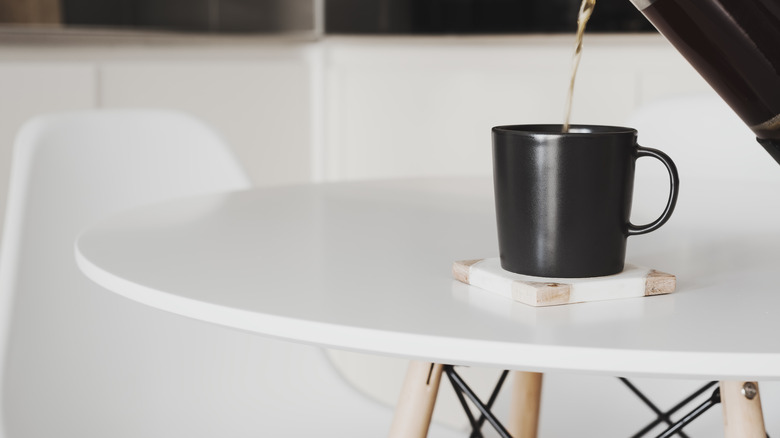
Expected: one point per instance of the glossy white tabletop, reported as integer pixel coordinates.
(366, 267)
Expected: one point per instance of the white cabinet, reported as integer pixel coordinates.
(345, 107)
(261, 106)
(400, 107)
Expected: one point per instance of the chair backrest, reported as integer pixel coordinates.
(65, 343)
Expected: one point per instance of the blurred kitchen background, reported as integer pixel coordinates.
(328, 90)
(320, 17)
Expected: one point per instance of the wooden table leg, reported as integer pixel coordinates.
(742, 415)
(526, 396)
(418, 396)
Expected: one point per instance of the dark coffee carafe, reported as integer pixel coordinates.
(735, 46)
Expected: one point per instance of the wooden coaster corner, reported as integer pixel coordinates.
(540, 294)
(460, 269)
(659, 283)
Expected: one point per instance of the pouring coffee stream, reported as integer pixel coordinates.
(586, 10)
(735, 47)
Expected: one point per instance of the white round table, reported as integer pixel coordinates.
(366, 266)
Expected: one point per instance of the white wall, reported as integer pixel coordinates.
(353, 108)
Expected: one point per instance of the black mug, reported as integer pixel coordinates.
(563, 200)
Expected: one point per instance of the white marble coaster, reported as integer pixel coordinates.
(634, 281)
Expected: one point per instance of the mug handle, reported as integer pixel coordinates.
(674, 182)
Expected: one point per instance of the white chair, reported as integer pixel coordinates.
(82, 362)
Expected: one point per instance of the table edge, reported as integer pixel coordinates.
(520, 356)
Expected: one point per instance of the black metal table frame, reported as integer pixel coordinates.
(463, 391)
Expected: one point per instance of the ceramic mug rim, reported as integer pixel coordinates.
(556, 130)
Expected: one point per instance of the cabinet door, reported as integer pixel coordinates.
(261, 106)
(425, 107)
